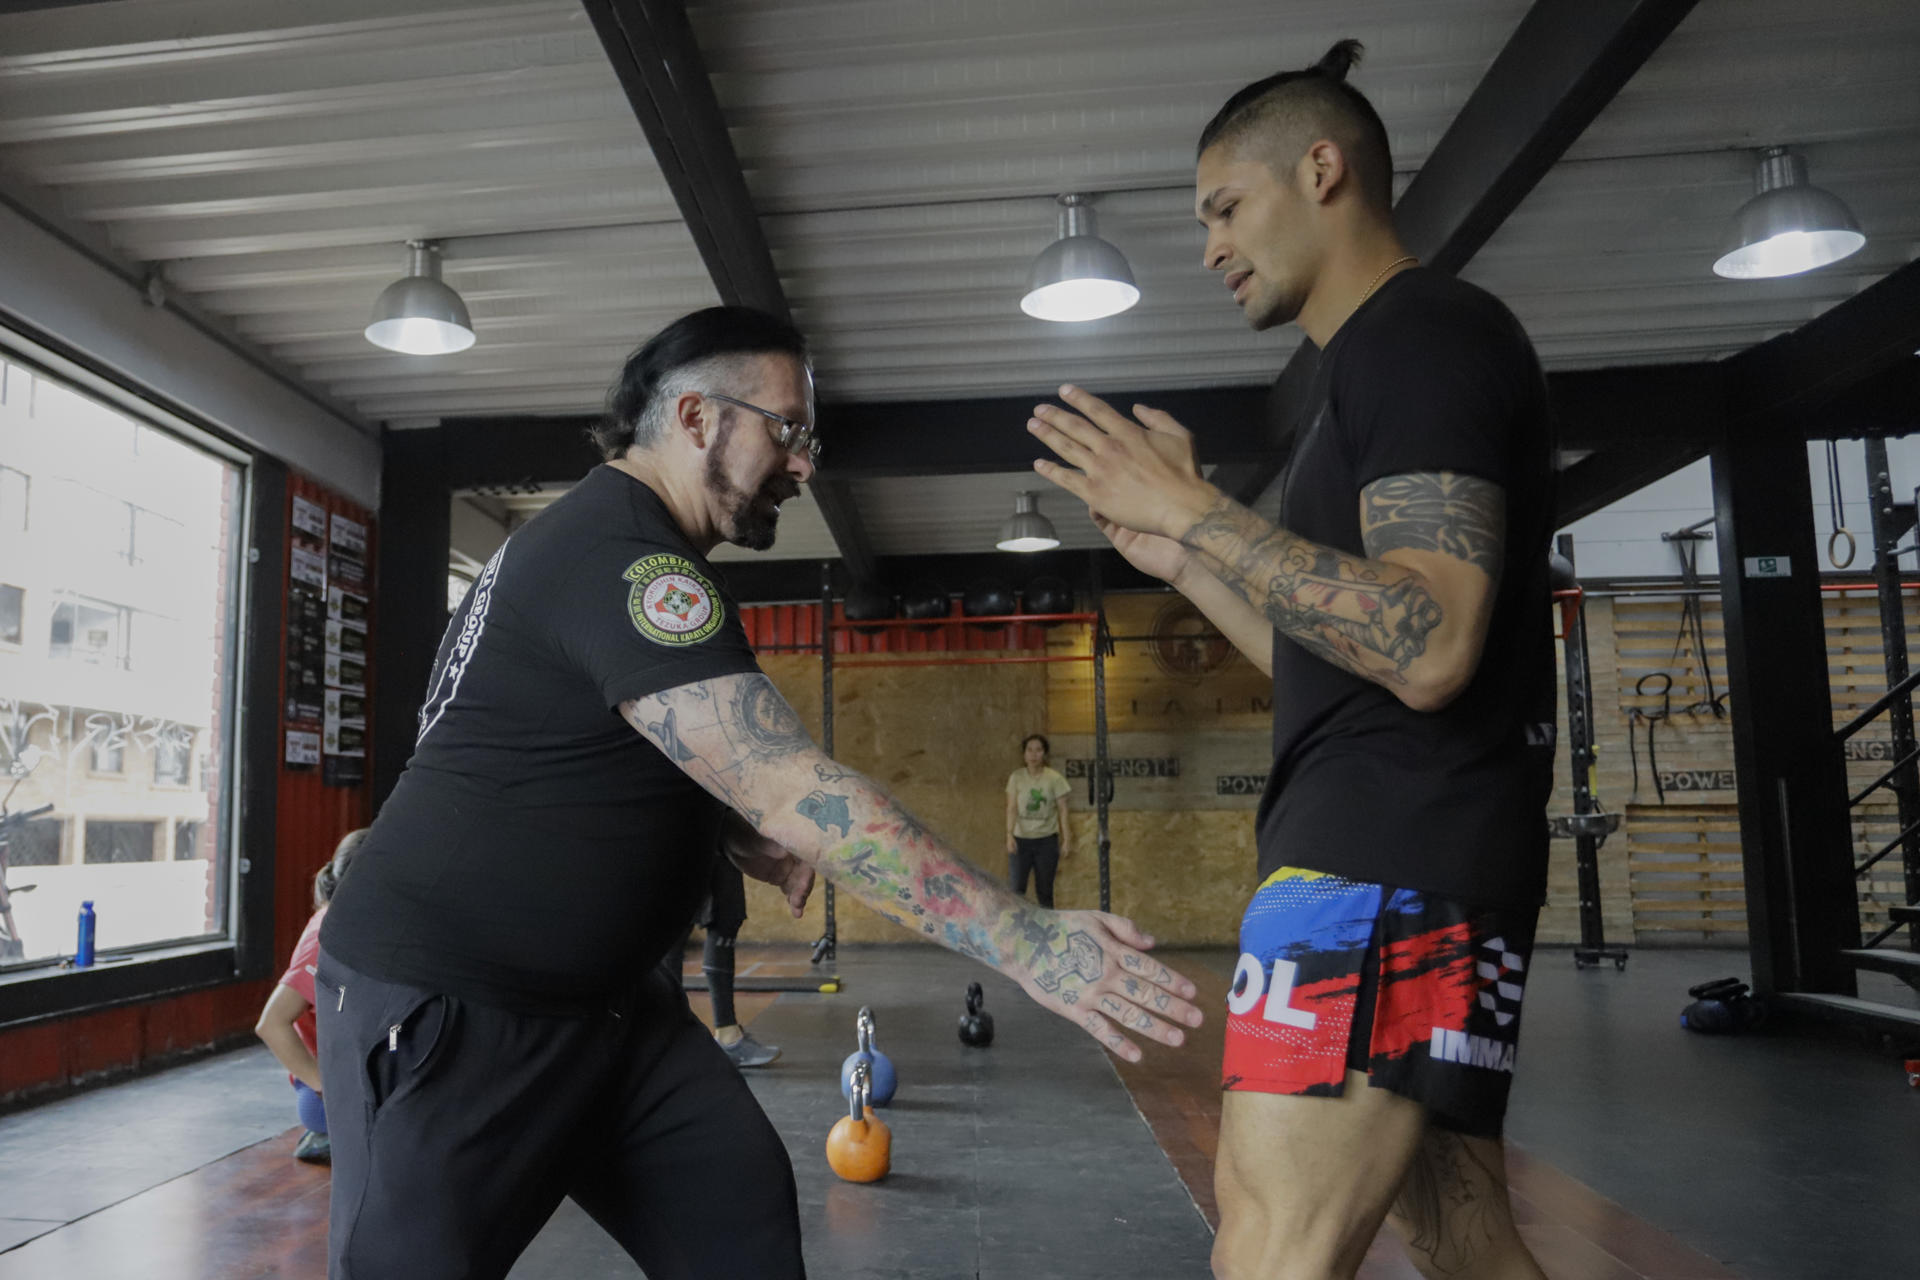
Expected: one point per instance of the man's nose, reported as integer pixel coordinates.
(801, 465)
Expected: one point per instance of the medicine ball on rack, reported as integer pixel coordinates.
(988, 599)
(1560, 575)
(868, 604)
(925, 600)
(1049, 595)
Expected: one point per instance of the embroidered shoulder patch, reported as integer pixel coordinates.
(670, 603)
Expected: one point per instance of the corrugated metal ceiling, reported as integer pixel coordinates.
(271, 156)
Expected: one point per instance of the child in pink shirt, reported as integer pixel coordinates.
(287, 1022)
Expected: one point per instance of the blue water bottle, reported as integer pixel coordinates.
(83, 957)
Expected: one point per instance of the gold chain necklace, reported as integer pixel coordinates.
(1383, 275)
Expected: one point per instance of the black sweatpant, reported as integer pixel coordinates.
(457, 1128)
(1042, 857)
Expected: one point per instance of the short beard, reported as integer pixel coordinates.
(750, 518)
(1282, 310)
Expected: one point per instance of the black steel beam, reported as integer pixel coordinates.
(416, 513)
(653, 51)
(262, 668)
(1601, 409)
(490, 453)
(961, 437)
(1607, 477)
(11, 7)
(769, 581)
(1794, 834)
(1886, 404)
(652, 48)
(1797, 374)
(1559, 69)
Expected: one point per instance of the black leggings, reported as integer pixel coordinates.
(725, 911)
(1042, 857)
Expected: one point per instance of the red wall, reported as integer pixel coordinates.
(311, 818)
(795, 628)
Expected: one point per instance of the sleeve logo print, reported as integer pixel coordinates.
(670, 603)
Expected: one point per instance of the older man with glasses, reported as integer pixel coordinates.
(495, 1030)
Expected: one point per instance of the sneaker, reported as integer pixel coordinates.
(748, 1052)
(314, 1148)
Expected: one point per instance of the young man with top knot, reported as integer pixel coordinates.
(1400, 604)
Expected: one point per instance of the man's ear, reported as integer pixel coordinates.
(689, 416)
(1325, 167)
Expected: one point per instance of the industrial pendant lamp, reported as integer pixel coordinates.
(1789, 226)
(1079, 276)
(1027, 529)
(417, 314)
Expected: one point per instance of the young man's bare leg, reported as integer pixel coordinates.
(1454, 1214)
(1304, 1183)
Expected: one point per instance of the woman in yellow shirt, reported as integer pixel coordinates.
(1038, 835)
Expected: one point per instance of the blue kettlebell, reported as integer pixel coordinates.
(885, 1079)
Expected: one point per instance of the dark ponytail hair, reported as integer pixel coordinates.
(1343, 57)
(327, 879)
(1292, 107)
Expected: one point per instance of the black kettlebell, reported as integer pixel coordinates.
(976, 1024)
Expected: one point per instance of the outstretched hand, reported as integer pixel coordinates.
(1092, 969)
(1138, 475)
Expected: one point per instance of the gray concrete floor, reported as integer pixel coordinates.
(1788, 1156)
(1023, 1160)
(64, 1160)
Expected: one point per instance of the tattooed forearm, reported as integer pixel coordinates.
(737, 737)
(1370, 619)
(1461, 516)
(769, 726)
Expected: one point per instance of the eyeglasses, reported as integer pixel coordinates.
(794, 437)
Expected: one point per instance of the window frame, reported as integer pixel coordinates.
(21, 642)
(248, 759)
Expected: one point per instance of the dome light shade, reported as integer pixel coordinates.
(1027, 529)
(1079, 276)
(1788, 227)
(417, 314)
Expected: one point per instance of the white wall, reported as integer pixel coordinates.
(47, 285)
(1623, 540)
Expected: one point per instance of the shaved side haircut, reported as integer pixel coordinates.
(1278, 118)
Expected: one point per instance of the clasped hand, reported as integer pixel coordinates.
(1140, 476)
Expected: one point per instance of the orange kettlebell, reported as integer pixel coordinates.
(860, 1148)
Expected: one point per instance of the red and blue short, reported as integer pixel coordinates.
(1420, 992)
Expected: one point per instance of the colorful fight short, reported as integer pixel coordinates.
(1419, 991)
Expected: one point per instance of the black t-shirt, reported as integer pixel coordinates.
(538, 853)
(1430, 374)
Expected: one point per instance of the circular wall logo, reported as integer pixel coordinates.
(670, 602)
(1185, 643)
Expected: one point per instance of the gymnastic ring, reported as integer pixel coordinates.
(1833, 540)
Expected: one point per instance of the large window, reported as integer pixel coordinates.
(91, 631)
(119, 615)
